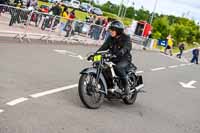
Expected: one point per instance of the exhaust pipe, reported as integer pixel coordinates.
(138, 88)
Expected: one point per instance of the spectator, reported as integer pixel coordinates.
(2, 8)
(69, 25)
(15, 13)
(18, 3)
(72, 14)
(195, 57)
(181, 48)
(65, 17)
(147, 39)
(65, 13)
(56, 9)
(32, 3)
(169, 45)
(89, 19)
(96, 29)
(107, 34)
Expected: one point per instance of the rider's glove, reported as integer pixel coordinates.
(89, 57)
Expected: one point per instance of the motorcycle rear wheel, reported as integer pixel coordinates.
(131, 100)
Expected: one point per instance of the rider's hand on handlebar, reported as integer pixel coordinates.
(89, 58)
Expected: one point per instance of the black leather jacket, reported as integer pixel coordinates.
(120, 46)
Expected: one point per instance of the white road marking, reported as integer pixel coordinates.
(157, 69)
(53, 91)
(138, 72)
(174, 58)
(64, 51)
(173, 66)
(189, 64)
(1, 110)
(78, 56)
(183, 64)
(188, 85)
(17, 101)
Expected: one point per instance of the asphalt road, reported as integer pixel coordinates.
(27, 69)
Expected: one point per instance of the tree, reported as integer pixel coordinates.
(142, 14)
(130, 12)
(161, 25)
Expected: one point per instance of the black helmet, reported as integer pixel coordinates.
(117, 26)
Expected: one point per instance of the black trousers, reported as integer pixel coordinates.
(121, 71)
(195, 59)
(120, 68)
(180, 54)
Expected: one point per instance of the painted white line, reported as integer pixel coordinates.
(77, 56)
(17, 101)
(189, 64)
(174, 58)
(183, 64)
(64, 51)
(1, 110)
(138, 72)
(173, 66)
(53, 91)
(188, 85)
(157, 69)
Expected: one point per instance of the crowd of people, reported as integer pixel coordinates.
(96, 27)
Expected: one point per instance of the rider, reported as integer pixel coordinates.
(119, 44)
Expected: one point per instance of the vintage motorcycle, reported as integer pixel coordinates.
(100, 81)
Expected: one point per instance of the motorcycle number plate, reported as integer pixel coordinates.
(97, 58)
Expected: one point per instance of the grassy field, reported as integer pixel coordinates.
(82, 15)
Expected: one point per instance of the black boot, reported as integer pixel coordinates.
(125, 86)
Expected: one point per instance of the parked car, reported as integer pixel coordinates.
(96, 11)
(85, 7)
(72, 3)
(53, 1)
(44, 0)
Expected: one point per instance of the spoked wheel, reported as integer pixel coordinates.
(132, 83)
(131, 99)
(89, 91)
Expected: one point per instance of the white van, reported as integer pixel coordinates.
(72, 3)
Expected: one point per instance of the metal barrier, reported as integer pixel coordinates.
(26, 24)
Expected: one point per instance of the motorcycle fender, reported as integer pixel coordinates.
(94, 70)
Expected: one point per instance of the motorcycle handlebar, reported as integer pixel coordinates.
(104, 54)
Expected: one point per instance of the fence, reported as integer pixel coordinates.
(26, 24)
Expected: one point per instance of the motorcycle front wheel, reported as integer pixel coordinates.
(89, 92)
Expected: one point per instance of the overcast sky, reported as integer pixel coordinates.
(173, 7)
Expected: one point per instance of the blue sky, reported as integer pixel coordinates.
(172, 7)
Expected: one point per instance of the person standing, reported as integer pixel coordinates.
(15, 12)
(147, 39)
(32, 3)
(64, 19)
(1, 7)
(195, 57)
(69, 28)
(181, 48)
(169, 45)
